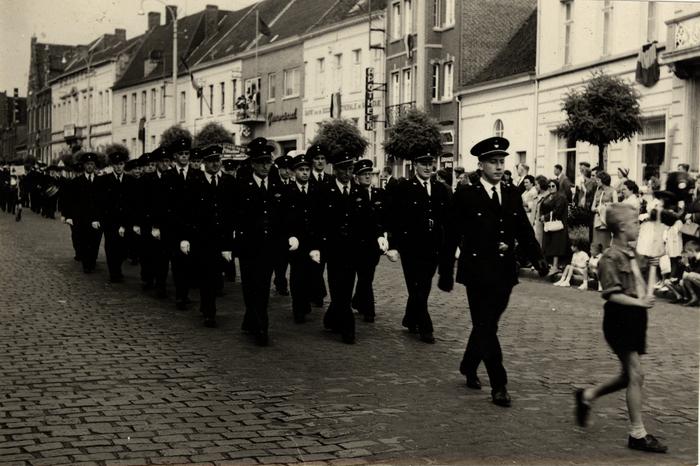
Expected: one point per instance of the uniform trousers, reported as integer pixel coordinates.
(182, 266)
(256, 274)
(115, 252)
(486, 305)
(281, 264)
(418, 271)
(209, 273)
(88, 240)
(75, 241)
(155, 260)
(302, 271)
(341, 280)
(318, 284)
(363, 301)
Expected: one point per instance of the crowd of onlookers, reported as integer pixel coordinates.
(569, 222)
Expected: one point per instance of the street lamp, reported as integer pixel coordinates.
(173, 14)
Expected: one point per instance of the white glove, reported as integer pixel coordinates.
(95, 225)
(155, 232)
(643, 217)
(63, 219)
(185, 246)
(293, 243)
(383, 244)
(137, 230)
(121, 231)
(69, 221)
(315, 256)
(227, 255)
(393, 255)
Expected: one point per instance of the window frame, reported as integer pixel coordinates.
(153, 102)
(607, 27)
(222, 89)
(271, 86)
(568, 31)
(125, 108)
(295, 76)
(499, 128)
(435, 83)
(396, 21)
(448, 81)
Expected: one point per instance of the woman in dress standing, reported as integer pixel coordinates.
(555, 243)
(604, 196)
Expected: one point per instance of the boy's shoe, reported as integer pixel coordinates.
(583, 409)
(583, 286)
(648, 443)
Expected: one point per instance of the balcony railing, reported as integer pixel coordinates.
(394, 112)
(248, 111)
(683, 44)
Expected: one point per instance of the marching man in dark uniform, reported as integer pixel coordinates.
(418, 214)
(280, 280)
(260, 238)
(177, 180)
(153, 224)
(347, 237)
(208, 230)
(368, 255)
(316, 154)
(84, 212)
(487, 219)
(299, 224)
(117, 191)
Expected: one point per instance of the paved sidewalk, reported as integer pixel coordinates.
(94, 373)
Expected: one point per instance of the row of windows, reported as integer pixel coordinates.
(402, 16)
(340, 79)
(607, 31)
(156, 105)
(87, 108)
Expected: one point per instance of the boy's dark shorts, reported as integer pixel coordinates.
(625, 328)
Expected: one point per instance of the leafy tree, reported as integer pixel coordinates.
(212, 133)
(172, 135)
(415, 133)
(606, 110)
(340, 135)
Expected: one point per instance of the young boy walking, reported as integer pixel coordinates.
(624, 325)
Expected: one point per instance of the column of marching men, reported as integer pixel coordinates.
(183, 209)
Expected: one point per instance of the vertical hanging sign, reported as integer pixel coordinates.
(369, 98)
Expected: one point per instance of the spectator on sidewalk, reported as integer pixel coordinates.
(554, 243)
(578, 266)
(604, 196)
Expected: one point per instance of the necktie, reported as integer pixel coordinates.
(263, 188)
(90, 178)
(345, 190)
(320, 177)
(182, 173)
(494, 197)
(425, 186)
(213, 181)
(303, 189)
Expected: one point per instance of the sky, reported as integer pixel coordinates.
(75, 22)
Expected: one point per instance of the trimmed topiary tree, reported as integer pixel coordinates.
(341, 135)
(212, 133)
(604, 111)
(412, 134)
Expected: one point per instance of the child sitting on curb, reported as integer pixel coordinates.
(578, 266)
(596, 254)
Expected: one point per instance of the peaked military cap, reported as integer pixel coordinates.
(230, 164)
(131, 164)
(117, 154)
(145, 159)
(316, 149)
(490, 146)
(211, 153)
(362, 166)
(300, 160)
(195, 153)
(259, 148)
(87, 157)
(283, 161)
(424, 157)
(342, 159)
(182, 144)
(159, 154)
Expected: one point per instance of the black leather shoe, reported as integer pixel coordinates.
(474, 382)
(317, 303)
(348, 338)
(500, 397)
(161, 293)
(145, 286)
(210, 322)
(283, 292)
(181, 305)
(299, 319)
(648, 443)
(368, 318)
(427, 338)
(582, 409)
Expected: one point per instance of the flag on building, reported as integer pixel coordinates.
(195, 86)
(142, 129)
(647, 72)
(335, 105)
(263, 28)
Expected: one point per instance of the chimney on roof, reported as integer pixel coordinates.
(120, 34)
(168, 15)
(211, 20)
(153, 19)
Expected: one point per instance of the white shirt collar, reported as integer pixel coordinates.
(209, 176)
(341, 185)
(185, 168)
(488, 187)
(305, 186)
(259, 181)
(319, 174)
(423, 185)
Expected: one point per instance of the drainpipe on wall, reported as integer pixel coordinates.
(458, 132)
(420, 55)
(536, 109)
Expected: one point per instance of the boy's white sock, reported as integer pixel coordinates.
(638, 430)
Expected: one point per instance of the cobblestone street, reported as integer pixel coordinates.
(95, 373)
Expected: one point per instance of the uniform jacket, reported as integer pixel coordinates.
(299, 220)
(478, 227)
(117, 201)
(416, 220)
(176, 199)
(259, 216)
(328, 179)
(208, 214)
(347, 222)
(83, 205)
(152, 203)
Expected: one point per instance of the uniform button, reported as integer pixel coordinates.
(502, 232)
(264, 211)
(500, 220)
(474, 254)
(501, 255)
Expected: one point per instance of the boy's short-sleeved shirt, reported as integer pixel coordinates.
(615, 272)
(579, 259)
